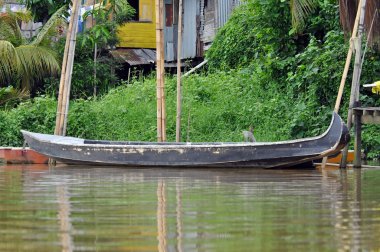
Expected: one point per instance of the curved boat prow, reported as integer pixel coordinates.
(337, 125)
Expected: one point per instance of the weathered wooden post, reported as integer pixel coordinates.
(160, 57)
(358, 139)
(346, 67)
(354, 97)
(179, 49)
(66, 71)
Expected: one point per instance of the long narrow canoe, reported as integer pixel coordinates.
(72, 150)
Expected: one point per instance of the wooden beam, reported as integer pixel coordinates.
(65, 68)
(179, 49)
(358, 141)
(69, 70)
(348, 60)
(159, 67)
(346, 67)
(356, 77)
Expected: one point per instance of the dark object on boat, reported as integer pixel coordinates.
(72, 150)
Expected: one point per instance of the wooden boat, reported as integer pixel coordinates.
(72, 150)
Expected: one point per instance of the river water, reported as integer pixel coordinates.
(118, 209)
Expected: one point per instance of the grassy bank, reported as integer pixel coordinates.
(216, 107)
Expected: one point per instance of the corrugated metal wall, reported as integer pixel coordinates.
(225, 8)
(189, 36)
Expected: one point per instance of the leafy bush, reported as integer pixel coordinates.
(82, 81)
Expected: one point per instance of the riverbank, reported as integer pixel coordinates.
(216, 107)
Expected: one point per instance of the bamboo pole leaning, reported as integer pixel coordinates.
(354, 96)
(179, 49)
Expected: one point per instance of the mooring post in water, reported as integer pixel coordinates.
(160, 71)
(67, 64)
(354, 97)
(358, 139)
(66, 73)
(179, 49)
(346, 67)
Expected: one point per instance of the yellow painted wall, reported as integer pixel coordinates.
(141, 34)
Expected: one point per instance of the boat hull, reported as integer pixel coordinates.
(264, 155)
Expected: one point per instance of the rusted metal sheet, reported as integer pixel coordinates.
(169, 15)
(134, 56)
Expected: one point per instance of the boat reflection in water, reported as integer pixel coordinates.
(118, 209)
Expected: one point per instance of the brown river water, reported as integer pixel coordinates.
(119, 209)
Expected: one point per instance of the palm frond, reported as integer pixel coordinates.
(6, 31)
(24, 16)
(36, 62)
(50, 28)
(300, 9)
(10, 96)
(10, 21)
(9, 63)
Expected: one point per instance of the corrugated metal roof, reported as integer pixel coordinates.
(135, 56)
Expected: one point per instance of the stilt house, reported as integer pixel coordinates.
(201, 21)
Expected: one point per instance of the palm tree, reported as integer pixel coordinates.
(22, 61)
(300, 9)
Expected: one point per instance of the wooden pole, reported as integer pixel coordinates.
(356, 77)
(358, 140)
(163, 110)
(63, 75)
(158, 70)
(69, 70)
(161, 118)
(348, 60)
(346, 67)
(179, 49)
(68, 58)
